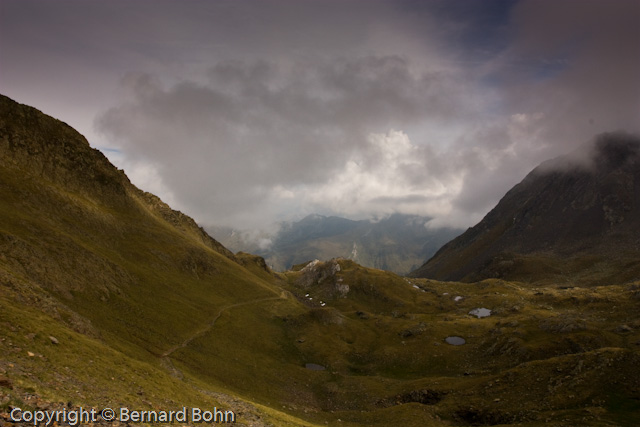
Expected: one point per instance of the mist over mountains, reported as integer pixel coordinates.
(575, 216)
(398, 243)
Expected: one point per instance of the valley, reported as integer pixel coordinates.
(111, 299)
(383, 346)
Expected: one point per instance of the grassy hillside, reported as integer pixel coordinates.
(108, 298)
(100, 260)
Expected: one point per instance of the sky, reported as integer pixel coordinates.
(246, 113)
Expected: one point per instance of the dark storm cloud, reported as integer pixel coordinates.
(581, 66)
(245, 112)
(569, 72)
(260, 133)
(358, 135)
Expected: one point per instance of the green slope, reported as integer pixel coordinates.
(101, 258)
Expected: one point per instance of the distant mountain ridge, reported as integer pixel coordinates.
(576, 216)
(398, 243)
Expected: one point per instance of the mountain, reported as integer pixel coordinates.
(573, 217)
(103, 284)
(398, 243)
(111, 299)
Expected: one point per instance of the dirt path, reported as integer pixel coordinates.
(247, 413)
(210, 325)
(250, 415)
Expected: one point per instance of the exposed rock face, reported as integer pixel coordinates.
(323, 275)
(567, 215)
(53, 149)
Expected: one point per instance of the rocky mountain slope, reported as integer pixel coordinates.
(110, 299)
(576, 217)
(398, 243)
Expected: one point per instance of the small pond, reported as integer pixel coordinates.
(480, 312)
(314, 367)
(455, 340)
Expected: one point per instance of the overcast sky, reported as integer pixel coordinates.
(244, 113)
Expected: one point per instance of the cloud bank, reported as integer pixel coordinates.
(409, 115)
(261, 140)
